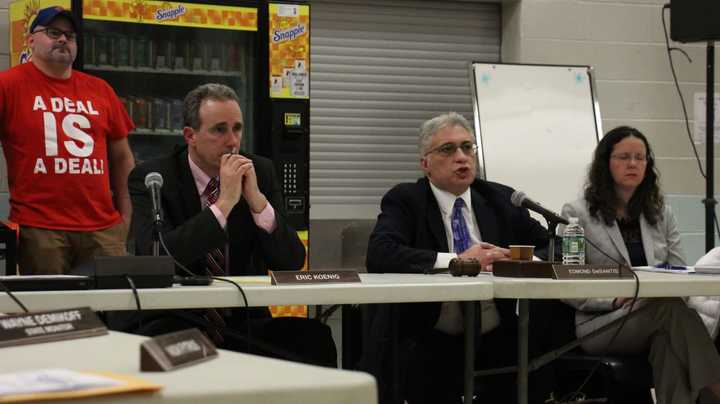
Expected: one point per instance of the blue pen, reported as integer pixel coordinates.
(668, 266)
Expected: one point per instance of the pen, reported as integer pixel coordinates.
(668, 266)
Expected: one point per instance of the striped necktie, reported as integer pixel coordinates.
(215, 258)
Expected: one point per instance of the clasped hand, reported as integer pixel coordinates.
(486, 253)
(238, 179)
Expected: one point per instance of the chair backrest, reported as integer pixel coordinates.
(355, 238)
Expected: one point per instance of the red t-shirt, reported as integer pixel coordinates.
(54, 135)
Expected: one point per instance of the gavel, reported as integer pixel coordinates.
(459, 267)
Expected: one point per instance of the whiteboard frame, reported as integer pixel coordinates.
(476, 109)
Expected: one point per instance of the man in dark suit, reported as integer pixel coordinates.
(422, 226)
(223, 215)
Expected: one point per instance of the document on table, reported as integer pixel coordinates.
(45, 384)
(685, 270)
(667, 270)
(44, 380)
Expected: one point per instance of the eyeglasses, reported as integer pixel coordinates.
(626, 157)
(54, 33)
(448, 149)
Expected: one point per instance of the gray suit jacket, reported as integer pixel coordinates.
(660, 242)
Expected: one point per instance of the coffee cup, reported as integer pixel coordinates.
(521, 252)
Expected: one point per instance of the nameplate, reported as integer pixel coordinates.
(175, 350)
(591, 272)
(46, 326)
(305, 277)
(523, 269)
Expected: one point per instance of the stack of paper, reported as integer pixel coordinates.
(49, 384)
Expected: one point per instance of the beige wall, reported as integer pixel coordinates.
(623, 40)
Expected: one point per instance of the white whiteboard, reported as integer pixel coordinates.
(536, 127)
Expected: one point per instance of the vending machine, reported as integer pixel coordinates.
(153, 52)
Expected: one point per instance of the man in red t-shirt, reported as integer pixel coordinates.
(64, 135)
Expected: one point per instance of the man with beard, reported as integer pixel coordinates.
(64, 136)
(423, 225)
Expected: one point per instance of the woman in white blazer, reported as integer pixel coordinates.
(624, 215)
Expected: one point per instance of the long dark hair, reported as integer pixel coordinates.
(600, 192)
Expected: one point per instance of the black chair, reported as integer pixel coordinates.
(381, 347)
(619, 379)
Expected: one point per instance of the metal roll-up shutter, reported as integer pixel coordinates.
(379, 69)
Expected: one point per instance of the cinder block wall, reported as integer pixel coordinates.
(623, 40)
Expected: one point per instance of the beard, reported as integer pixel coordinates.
(60, 54)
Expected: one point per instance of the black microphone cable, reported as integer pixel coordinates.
(268, 347)
(574, 394)
(192, 274)
(669, 50)
(249, 340)
(247, 308)
(137, 299)
(12, 296)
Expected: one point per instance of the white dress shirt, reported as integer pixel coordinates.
(451, 320)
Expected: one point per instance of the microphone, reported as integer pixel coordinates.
(519, 199)
(154, 182)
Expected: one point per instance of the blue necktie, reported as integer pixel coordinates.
(461, 235)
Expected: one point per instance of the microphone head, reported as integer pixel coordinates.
(153, 178)
(517, 198)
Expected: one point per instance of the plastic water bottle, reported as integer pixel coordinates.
(573, 243)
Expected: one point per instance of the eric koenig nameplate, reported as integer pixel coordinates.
(305, 277)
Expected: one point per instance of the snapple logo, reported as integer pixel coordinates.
(289, 34)
(170, 13)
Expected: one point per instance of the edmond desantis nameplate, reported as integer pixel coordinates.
(305, 277)
(591, 272)
(46, 326)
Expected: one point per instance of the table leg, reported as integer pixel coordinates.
(470, 325)
(347, 338)
(395, 341)
(523, 334)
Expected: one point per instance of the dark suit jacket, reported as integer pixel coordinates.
(190, 231)
(410, 232)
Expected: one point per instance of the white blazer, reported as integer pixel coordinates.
(661, 244)
(708, 307)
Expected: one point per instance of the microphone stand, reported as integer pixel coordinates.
(710, 200)
(157, 222)
(524, 322)
(552, 237)
(157, 225)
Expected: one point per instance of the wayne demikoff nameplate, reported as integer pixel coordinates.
(46, 326)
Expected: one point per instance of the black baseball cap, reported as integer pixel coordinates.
(46, 15)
